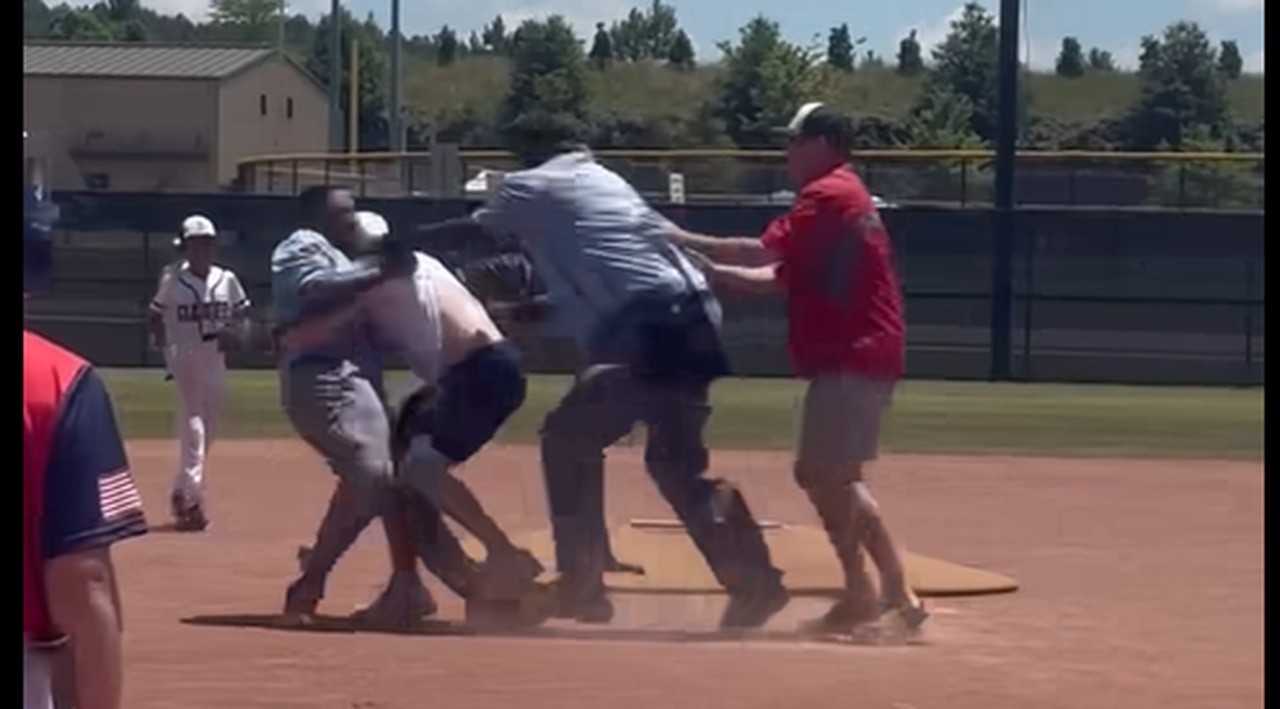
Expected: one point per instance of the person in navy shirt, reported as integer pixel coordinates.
(78, 499)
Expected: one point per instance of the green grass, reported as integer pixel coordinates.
(1045, 419)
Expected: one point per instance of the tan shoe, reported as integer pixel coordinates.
(534, 607)
(507, 577)
(901, 622)
(842, 618)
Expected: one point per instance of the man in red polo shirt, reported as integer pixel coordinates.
(78, 498)
(831, 258)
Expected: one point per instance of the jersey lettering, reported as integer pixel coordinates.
(213, 311)
(196, 308)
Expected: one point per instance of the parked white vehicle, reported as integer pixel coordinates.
(481, 183)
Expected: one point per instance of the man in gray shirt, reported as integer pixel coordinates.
(649, 329)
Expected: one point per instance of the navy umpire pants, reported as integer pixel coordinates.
(604, 404)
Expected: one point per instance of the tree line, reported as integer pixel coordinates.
(638, 82)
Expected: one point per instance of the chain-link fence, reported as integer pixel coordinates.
(965, 178)
(1098, 295)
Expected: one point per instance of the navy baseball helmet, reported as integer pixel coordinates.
(39, 216)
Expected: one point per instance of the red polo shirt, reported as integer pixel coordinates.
(844, 304)
(77, 492)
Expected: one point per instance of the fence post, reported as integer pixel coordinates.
(145, 359)
(1182, 184)
(1028, 300)
(1248, 321)
(1006, 145)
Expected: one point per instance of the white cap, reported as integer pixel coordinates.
(196, 226)
(801, 115)
(371, 228)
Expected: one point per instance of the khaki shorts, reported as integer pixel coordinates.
(840, 427)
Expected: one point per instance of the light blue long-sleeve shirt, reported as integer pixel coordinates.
(595, 241)
(303, 257)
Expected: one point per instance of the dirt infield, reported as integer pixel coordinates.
(1141, 587)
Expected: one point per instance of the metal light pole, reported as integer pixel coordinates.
(395, 121)
(1003, 243)
(335, 77)
(282, 16)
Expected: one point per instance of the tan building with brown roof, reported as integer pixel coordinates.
(166, 118)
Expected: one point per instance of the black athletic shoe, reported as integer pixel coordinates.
(187, 517)
(753, 608)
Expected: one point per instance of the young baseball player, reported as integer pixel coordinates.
(200, 309)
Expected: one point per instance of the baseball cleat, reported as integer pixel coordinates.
(402, 604)
(300, 602)
(593, 608)
(187, 516)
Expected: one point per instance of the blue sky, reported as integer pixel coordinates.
(1114, 25)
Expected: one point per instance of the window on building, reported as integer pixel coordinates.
(288, 107)
(262, 104)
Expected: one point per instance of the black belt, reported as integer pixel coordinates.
(208, 338)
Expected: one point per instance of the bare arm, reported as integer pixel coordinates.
(91, 503)
(155, 326)
(729, 250)
(155, 312)
(755, 280)
(85, 603)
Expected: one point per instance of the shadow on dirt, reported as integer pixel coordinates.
(440, 628)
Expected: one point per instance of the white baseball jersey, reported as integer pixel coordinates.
(196, 309)
(408, 314)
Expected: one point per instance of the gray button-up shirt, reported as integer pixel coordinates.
(596, 243)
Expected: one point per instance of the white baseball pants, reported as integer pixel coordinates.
(201, 376)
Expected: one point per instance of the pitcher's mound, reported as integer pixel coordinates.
(672, 565)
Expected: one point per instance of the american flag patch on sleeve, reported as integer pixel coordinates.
(117, 495)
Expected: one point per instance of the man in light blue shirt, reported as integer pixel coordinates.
(330, 388)
(649, 330)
